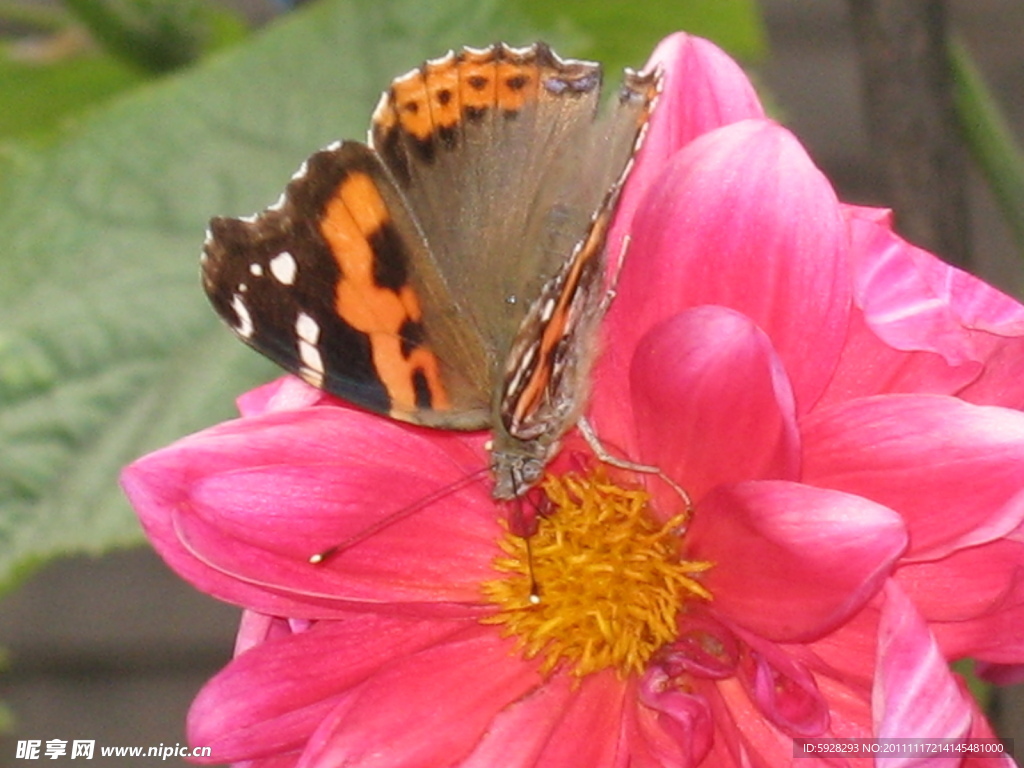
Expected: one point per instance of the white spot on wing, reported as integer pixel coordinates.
(310, 357)
(548, 309)
(245, 326)
(256, 270)
(307, 328)
(283, 267)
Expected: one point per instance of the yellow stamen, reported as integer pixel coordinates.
(611, 579)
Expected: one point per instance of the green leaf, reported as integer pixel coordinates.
(623, 33)
(36, 99)
(156, 35)
(989, 138)
(107, 346)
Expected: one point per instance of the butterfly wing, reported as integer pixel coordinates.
(336, 284)
(545, 381)
(402, 279)
(544, 384)
(492, 148)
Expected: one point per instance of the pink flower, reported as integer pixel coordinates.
(840, 407)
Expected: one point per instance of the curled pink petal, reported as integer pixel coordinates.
(704, 648)
(785, 691)
(674, 727)
(925, 325)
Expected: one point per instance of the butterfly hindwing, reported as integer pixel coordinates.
(545, 381)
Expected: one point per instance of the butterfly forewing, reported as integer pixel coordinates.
(335, 284)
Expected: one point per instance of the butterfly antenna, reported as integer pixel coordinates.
(534, 597)
(386, 522)
(526, 536)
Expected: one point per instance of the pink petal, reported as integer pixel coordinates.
(712, 403)
(869, 366)
(563, 724)
(927, 326)
(849, 708)
(589, 728)
(431, 708)
(239, 509)
(257, 628)
(288, 393)
(916, 695)
(519, 733)
(967, 583)
(272, 698)
(704, 647)
(792, 562)
(702, 89)
(992, 630)
(746, 737)
(846, 655)
(743, 219)
(289, 760)
(980, 729)
(952, 470)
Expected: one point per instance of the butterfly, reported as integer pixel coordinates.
(452, 272)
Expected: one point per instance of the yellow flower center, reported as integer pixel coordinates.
(610, 577)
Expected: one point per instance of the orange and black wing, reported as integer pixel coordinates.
(336, 284)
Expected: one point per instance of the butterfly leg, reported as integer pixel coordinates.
(590, 435)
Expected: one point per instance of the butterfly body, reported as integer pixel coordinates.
(452, 273)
